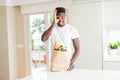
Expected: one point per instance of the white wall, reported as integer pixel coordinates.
(11, 27)
(87, 18)
(4, 57)
(7, 43)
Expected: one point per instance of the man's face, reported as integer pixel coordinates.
(61, 17)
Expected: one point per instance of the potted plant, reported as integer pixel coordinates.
(118, 43)
(113, 48)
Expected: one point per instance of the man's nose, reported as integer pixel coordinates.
(60, 20)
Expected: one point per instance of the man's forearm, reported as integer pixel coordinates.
(48, 32)
(77, 50)
(74, 57)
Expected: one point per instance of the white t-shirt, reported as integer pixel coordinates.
(64, 35)
(60, 60)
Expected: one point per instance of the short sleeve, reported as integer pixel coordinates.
(74, 33)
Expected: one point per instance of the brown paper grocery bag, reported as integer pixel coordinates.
(60, 61)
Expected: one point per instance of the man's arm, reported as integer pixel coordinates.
(76, 52)
(48, 32)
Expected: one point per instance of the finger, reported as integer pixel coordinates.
(55, 12)
(68, 69)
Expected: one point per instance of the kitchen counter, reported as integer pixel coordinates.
(79, 74)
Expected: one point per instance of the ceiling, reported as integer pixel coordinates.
(26, 2)
(22, 2)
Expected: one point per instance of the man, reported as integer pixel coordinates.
(63, 37)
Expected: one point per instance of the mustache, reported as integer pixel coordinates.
(61, 22)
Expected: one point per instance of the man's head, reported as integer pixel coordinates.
(61, 16)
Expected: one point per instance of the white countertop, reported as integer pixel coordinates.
(77, 74)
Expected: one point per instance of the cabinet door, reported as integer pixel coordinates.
(87, 18)
(111, 65)
(112, 13)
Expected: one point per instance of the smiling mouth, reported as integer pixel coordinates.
(61, 22)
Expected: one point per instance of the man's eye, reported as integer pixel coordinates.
(57, 17)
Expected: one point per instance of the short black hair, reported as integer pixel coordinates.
(60, 10)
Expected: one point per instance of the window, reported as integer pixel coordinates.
(114, 36)
(112, 40)
(39, 23)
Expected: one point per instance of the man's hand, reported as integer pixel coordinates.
(56, 18)
(70, 67)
